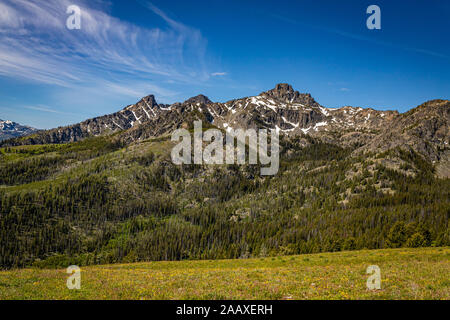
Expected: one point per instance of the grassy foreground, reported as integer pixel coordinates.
(405, 274)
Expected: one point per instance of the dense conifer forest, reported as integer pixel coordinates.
(100, 201)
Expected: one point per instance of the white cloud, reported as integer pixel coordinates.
(46, 109)
(218, 74)
(362, 37)
(106, 53)
(138, 89)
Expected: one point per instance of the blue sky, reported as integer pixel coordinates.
(52, 76)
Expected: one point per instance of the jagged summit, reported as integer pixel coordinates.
(285, 93)
(150, 99)
(198, 99)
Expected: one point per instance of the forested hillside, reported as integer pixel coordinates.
(101, 200)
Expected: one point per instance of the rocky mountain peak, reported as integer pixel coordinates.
(283, 87)
(285, 93)
(5, 123)
(150, 100)
(10, 129)
(198, 99)
(282, 92)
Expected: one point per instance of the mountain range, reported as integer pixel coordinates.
(424, 129)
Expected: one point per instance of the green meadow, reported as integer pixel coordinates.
(422, 273)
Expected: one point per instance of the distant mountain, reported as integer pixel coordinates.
(10, 129)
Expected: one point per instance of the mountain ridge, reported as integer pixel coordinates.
(282, 108)
(147, 109)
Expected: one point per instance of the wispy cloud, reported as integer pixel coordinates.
(46, 109)
(384, 43)
(106, 53)
(359, 37)
(218, 74)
